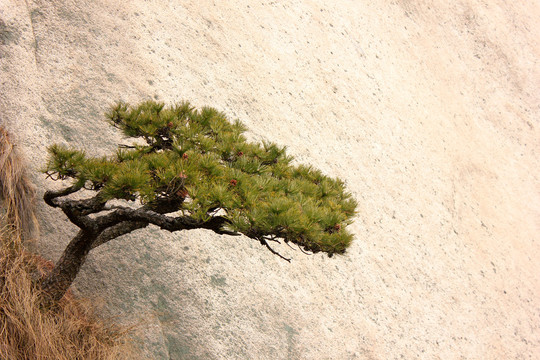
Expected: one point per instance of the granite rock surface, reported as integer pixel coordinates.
(428, 110)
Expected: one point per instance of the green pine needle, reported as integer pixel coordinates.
(199, 162)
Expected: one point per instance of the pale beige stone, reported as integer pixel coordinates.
(428, 110)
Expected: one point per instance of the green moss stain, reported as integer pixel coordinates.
(58, 128)
(178, 349)
(8, 34)
(217, 281)
(291, 334)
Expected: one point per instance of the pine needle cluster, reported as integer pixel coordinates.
(200, 164)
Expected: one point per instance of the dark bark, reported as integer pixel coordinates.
(99, 224)
(122, 228)
(67, 267)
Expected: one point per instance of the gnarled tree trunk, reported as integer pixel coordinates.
(58, 281)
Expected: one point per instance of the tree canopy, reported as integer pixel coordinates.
(188, 169)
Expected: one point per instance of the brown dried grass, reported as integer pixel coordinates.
(69, 331)
(17, 192)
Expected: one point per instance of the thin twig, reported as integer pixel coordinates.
(272, 238)
(265, 243)
(289, 245)
(302, 250)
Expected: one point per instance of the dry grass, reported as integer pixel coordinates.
(17, 192)
(70, 330)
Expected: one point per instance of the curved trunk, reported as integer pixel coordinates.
(58, 281)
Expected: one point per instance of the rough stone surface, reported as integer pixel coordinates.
(428, 109)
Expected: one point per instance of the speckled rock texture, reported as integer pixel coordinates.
(429, 110)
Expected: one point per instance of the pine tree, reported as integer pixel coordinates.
(193, 169)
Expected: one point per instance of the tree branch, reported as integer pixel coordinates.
(82, 206)
(265, 243)
(51, 196)
(75, 210)
(122, 214)
(122, 228)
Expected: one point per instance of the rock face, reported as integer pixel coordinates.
(428, 110)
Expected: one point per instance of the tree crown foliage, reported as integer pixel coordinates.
(198, 163)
